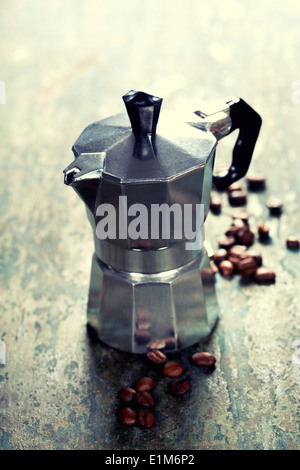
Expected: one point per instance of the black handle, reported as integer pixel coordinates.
(247, 120)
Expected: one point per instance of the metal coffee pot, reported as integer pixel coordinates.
(149, 287)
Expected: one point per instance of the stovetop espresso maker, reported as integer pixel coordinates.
(151, 282)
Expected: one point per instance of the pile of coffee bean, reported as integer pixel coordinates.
(141, 403)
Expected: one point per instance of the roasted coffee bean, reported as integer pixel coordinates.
(126, 394)
(227, 268)
(245, 236)
(263, 232)
(145, 384)
(146, 418)
(292, 243)
(275, 206)
(171, 342)
(239, 223)
(220, 255)
(127, 417)
(256, 181)
(142, 336)
(156, 344)
(247, 267)
(157, 357)
(237, 198)
(173, 369)
(205, 359)
(238, 251)
(255, 255)
(145, 399)
(215, 205)
(207, 275)
(181, 386)
(226, 242)
(264, 276)
(234, 187)
(232, 231)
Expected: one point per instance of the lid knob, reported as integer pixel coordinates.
(143, 111)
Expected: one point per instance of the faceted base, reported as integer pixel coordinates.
(138, 312)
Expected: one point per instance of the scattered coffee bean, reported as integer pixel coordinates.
(145, 384)
(238, 251)
(146, 418)
(215, 205)
(264, 275)
(207, 274)
(142, 336)
(220, 255)
(145, 399)
(205, 359)
(170, 342)
(156, 344)
(275, 205)
(226, 242)
(245, 236)
(126, 394)
(247, 267)
(263, 231)
(181, 386)
(227, 268)
(256, 256)
(237, 198)
(232, 231)
(157, 357)
(292, 243)
(127, 417)
(256, 181)
(173, 369)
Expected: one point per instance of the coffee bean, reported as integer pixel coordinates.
(173, 369)
(170, 342)
(292, 243)
(255, 255)
(145, 399)
(226, 268)
(156, 356)
(156, 344)
(146, 418)
(142, 336)
(203, 359)
(237, 198)
(215, 205)
(263, 231)
(181, 386)
(245, 236)
(226, 242)
(247, 267)
(275, 205)
(232, 231)
(127, 417)
(126, 394)
(145, 384)
(240, 223)
(220, 255)
(237, 251)
(264, 275)
(256, 181)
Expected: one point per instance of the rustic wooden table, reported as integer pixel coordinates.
(66, 64)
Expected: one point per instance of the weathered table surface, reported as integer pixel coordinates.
(66, 64)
